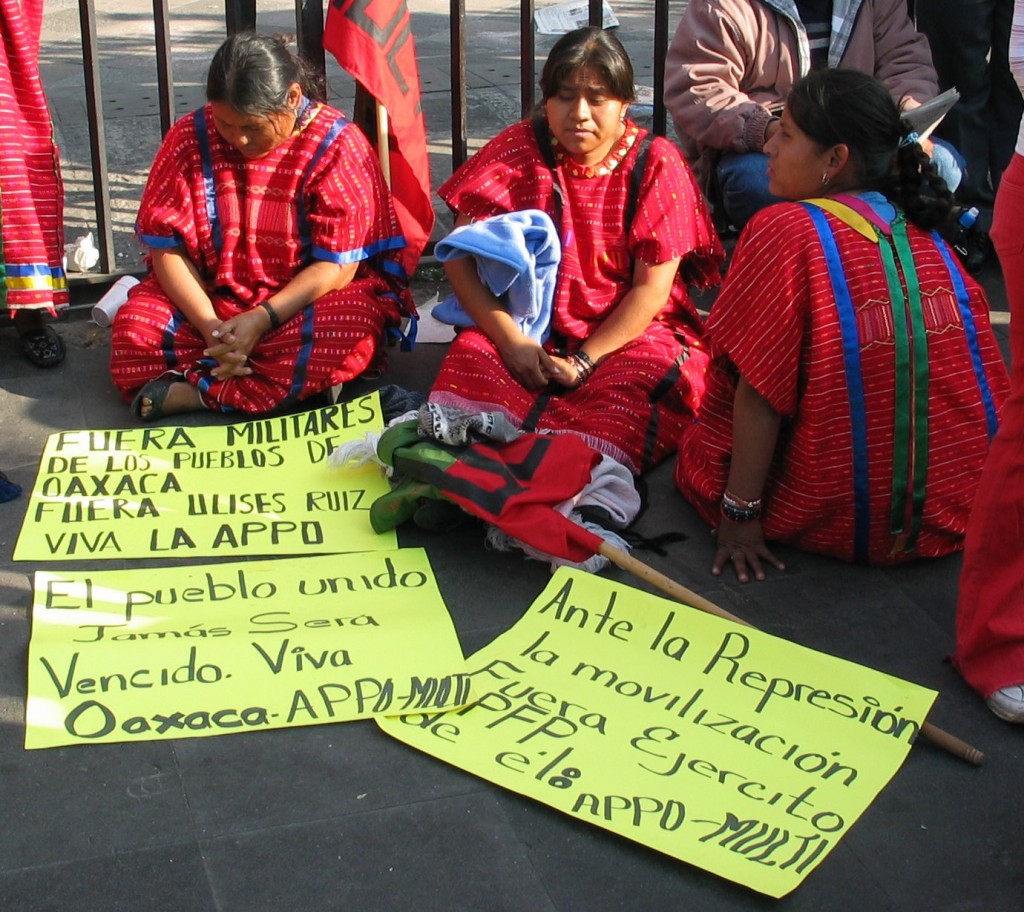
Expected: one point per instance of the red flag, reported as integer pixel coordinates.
(372, 40)
(516, 486)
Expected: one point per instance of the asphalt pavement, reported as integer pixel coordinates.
(343, 817)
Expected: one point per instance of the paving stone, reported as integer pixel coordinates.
(433, 856)
(286, 777)
(171, 878)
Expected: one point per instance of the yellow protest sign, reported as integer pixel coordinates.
(133, 655)
(723, 746)
(253, 488)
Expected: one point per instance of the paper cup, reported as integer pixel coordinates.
(105, 308)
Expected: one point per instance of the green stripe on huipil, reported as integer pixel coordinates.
(910, 443)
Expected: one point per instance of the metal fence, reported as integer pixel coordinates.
(139, 69)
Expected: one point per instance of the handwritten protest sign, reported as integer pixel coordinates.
(722, 746)
(131, 655)
(252, 488)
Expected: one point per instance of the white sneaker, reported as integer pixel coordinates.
(1008, 703)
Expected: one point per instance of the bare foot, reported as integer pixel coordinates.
(165, 397)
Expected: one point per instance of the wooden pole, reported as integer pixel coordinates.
(372, 118)
(680, 593)
(383, 145)
(669, 586)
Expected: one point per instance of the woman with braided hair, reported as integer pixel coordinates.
(855, 380)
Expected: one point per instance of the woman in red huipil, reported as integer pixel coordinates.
(990, 610)
(274, 269)
(855, 380)
(623, 366)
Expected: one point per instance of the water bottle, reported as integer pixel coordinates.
(964, 226)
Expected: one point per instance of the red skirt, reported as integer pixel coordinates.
(633, 408)
(331, 341)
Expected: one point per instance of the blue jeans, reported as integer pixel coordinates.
(949, 163)
(969, 41)
(743, 185)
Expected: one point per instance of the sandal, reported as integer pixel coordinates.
(42, 346)
(156, 392)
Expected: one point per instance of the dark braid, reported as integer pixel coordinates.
(918, 189)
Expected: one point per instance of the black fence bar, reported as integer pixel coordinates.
(97, 136)
(309, 19)
(661, 33)
(309, 26)
(240, 15)
(457, 64)
(164, 77)
(527, 51)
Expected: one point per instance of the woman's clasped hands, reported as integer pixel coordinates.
(534, 367)
(231, 342)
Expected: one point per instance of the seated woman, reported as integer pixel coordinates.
(623, 365)
(272, 248)
(855, 380)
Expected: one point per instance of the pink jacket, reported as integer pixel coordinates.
(732, 64)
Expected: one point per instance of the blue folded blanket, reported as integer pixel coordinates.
(517, 256)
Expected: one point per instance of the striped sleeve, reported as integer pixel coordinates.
(760, 319)
(166, 215)
(351, 214)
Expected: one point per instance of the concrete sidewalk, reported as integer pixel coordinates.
(341, 817)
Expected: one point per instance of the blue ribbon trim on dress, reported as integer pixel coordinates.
(304, 230)
(33, 277)
(25, 270)
(393, 267)
(170, 331)
(360, 253)
(159, 242)
(970, 330)
(302, 360)
(854, 380)
(209, 187)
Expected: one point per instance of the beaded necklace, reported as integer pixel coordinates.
(608, 164)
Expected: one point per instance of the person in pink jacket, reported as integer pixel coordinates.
(732, 63)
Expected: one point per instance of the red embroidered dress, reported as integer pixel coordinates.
(31, 193)
(249, 226)
(637, 402)
(915, 434)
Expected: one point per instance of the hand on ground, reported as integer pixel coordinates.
(744, 545)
